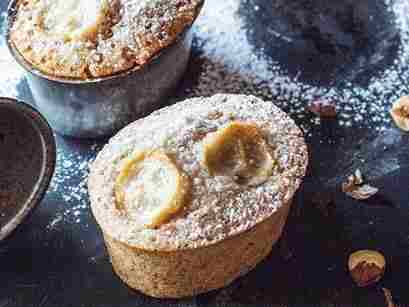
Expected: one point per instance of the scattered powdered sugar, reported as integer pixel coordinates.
(11, 74)
(230, 63)
(69, 184)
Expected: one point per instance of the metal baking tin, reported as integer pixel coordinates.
(100, 107)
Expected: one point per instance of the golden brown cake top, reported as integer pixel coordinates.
(95, 38)
(197, 172)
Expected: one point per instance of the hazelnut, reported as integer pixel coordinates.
(388, 297)
(366, 267)
(323, 108)
(400, 113)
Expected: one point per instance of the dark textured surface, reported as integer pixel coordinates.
(68, 266)
(340, 37)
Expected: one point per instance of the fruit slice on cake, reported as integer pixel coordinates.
(239, 151)
(74, 19)
(151, 188)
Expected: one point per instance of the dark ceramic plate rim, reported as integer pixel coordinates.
(11, 11)
(49, 148)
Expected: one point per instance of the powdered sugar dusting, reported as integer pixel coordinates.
(11, 74)
(219, 206)
(115, 35)
(69, 184)
(228, 62)
(231, 64)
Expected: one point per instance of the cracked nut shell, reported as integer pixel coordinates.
(366, 267)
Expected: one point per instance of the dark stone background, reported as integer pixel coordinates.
(69, 266)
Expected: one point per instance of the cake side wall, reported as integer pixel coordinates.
(184, 273)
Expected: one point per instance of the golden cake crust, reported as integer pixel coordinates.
(219, 208)
(126, 35)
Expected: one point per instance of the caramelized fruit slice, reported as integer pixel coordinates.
(74, 19)
(239, 151)
(151, 188)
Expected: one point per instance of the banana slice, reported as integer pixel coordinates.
(239, 151)
(74, 19)
(151, 188)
